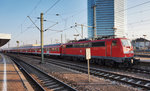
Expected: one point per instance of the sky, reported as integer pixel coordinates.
(61, 17)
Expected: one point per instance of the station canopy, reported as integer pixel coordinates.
(4, 38)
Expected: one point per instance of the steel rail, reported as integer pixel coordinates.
(36, 84)
(138, 82)
(48, 81)
(132, 69)
(134, 81)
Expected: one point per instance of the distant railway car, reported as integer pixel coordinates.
(53, 49)
(105, 51)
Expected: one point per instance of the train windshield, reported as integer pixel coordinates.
(126, 42)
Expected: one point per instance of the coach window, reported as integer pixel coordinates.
(98, 44)
(52, 49)
(47, 49)
(114, 43)
(39, 49)
(55, 49)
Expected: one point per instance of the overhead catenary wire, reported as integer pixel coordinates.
(23, 31)
(51, 26)
(120, 11)
(116, 12)
(134, 6)
(37, 4)
(34, 23)
(52, 6)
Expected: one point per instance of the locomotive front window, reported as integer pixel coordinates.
(126, 42)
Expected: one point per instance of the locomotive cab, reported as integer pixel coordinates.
(128, 53)
(127, 48)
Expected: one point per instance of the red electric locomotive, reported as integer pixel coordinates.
(104, 51)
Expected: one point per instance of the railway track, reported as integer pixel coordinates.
(139, 70)
(47, 82)
(132, 69)
(138, 82)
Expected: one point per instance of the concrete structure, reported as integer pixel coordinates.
(107, 16)
(12, 79)
(4, 38)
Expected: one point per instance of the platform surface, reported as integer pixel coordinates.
(10, 79)
(144, 59)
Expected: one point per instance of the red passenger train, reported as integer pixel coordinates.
(111, 51)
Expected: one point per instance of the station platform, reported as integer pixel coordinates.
(11, 79)
(144, 59)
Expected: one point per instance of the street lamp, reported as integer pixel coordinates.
(17, 43)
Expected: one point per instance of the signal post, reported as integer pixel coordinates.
(88, 57)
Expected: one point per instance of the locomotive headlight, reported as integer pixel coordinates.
(126, 52)
(131, 52)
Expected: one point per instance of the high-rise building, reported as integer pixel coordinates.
(106, 17)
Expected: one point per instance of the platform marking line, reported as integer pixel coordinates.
(5, 75)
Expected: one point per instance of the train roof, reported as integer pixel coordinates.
(85, 41)
(52, 45)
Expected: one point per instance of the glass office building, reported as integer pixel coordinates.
(107, 17)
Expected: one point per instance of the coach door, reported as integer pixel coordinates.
(108, 48)
(63, 49)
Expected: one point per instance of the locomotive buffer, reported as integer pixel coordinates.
(88, 57)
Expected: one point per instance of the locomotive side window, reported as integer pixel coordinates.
(75, 45)
(98, 44)
(114, 42)
(44, 49)
(86, 44)
(69, 46)
(81, 45)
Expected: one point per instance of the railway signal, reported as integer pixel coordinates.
(88, 57)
